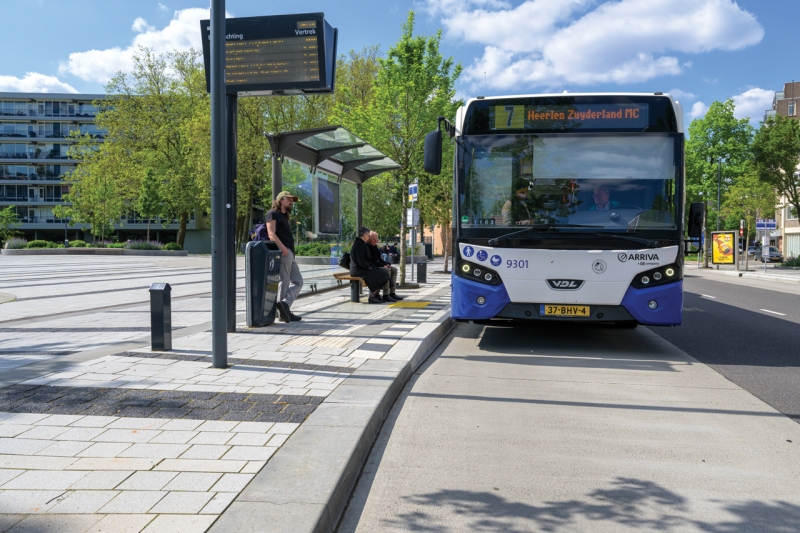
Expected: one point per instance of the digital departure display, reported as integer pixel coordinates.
(285, 54)
(570, 116)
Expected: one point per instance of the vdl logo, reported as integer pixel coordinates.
(496, 260)
(469, 251)
(565, 284)
(482, 255)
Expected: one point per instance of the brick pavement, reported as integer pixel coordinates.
(138, 440)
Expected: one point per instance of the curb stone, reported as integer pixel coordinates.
(748, 275)
(306, 486)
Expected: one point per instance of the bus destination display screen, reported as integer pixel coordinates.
(570, 116)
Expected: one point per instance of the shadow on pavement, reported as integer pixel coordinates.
(632, 504)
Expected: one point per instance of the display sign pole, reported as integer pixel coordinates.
(219, 282)
(232, 109)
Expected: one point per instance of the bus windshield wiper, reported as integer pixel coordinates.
(546, 227)
(647, 242)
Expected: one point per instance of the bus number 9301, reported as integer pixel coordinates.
(513, 263)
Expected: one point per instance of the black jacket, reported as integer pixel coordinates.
(375, 252)
(361, 266)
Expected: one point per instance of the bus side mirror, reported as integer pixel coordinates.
(696, 212)
(433, 153)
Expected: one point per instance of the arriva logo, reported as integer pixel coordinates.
(565, 284)
(637, 257)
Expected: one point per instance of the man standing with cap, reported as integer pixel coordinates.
(280, 232)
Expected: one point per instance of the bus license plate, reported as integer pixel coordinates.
(577, 311)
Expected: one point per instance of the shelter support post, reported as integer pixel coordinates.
(277, 174)
(232, 107)
(359, 205)
(219, 284)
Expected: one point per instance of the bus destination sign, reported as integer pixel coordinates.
(285, 54)
(572, 116)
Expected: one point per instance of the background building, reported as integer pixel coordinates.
(785, 104)
(35, 131)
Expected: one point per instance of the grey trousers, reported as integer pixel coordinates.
(392, 283)
(291, 280)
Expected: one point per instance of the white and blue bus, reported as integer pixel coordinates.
(567, 207)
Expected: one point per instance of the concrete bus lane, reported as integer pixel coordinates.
(576, 428)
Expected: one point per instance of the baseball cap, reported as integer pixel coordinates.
(286, 194)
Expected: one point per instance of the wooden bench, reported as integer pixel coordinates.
(356, 284)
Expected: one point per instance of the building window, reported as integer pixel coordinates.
(792, 108)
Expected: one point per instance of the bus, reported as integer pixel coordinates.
(567, 207)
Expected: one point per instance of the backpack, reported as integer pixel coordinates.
(344, 261)
(260, 233)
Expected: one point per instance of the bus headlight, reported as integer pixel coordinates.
(487, 277)
(465, 268)
(477, 272)
(669, 272)
(645, 280)
(481, 300)
(653, 305)
(656, 276)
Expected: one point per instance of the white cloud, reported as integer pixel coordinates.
(33, 82)
(682, 96)
(752, 104)
(163, 8)
(140, 25)
(698, 110)
(182, 33)
(561, 42)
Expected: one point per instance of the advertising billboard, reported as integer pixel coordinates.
(328, 207)
(723, 247)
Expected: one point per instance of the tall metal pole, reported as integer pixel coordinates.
(719, 191)
(232, 106)
(219, 334)
(359, 206)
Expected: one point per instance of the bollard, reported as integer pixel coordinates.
(160, 317)
(422, 272)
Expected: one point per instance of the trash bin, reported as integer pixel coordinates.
(422, 272)
(262, 262)
(429, 250)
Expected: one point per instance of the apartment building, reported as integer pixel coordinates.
(788, 233)
(35, 135)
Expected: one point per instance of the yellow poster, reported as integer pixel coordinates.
(723, 248)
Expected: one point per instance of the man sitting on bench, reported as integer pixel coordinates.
(361, 266)
(389, 294)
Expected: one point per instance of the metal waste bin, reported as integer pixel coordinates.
(262, 274)
(422, 272)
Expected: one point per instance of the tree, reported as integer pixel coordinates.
(776, 153)
(8, 224)
(716, 139)
(157, 117)
(149, 202)
(414, 86)
(748, 198)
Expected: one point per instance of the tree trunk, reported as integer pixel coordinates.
(148, 227)
(182, 228)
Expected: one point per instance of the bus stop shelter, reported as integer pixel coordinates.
(333, 150)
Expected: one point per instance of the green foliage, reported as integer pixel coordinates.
(414, 85)
(149, 203)
(41, 244)
(16, 244)
(313, 249)
(77, 244)
(776, 153)
(173, 247)
(748, 198)
(8, 224)
(144, 245)
(116, 245)
(719, 138)
(792, 262)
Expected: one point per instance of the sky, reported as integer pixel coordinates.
(698, 50)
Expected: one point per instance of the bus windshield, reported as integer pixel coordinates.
(601, 181)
